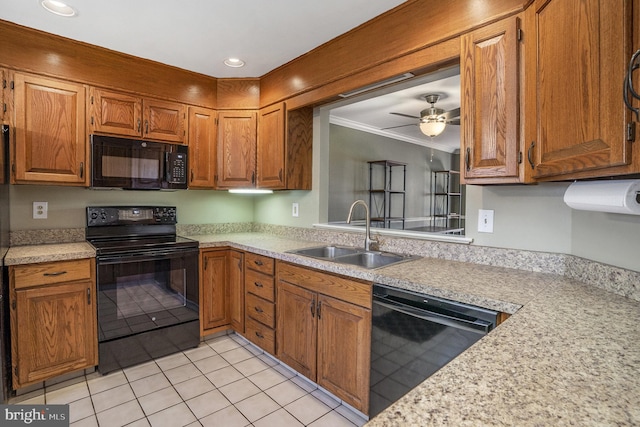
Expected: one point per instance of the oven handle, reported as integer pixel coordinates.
(479, 326)
(143, 256)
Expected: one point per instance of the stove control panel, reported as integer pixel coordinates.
(122, 215)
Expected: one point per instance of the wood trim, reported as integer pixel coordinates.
(32, 50)
(238, 94)
(408, 28)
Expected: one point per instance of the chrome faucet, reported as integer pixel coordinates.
(367, 240)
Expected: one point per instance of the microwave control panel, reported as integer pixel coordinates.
(177, 168)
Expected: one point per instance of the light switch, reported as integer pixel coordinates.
(294, 210)
(485, 221)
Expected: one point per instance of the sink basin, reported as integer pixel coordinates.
(353, 256)
(326, 252)
(373, 259)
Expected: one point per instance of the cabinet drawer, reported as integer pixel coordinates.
(260, 284)
(260, 263)
(261, 310)
(262, 336)
(47, 273)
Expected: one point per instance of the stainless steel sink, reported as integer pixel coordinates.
(373, 259)
(326, 252)
(354, 256)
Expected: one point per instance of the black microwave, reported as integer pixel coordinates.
(133, 164)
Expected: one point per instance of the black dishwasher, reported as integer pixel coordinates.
(413, 336)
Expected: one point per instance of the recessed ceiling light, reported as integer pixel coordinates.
(234, 62)
(59, 8)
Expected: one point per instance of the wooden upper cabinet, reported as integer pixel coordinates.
(576, 70)
(124, 114)
(490, 103)
(164, 120)
(271, 153)
(202, 147)
(50, 139)
(115, 112)
(236, 149)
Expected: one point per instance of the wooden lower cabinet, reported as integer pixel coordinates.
(221, 293)
(53, 320)
(323, 330)
(236, 290)
(260, 301)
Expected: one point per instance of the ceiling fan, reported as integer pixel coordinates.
(432, 120)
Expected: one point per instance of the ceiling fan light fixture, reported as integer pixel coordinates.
(432, 126)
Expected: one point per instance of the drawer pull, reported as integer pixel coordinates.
(259, 335)
(258, 263)
(258, 309)
(258, 284)
(58, 273)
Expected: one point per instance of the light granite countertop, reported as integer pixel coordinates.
(568, 355)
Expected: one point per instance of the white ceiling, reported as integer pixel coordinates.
(197, 35)
(372, 112)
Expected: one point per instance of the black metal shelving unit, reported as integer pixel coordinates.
(386, 194)
(447, 203)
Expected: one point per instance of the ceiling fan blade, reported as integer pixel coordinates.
(406, 115)
(455, 122)
(401, 126)
(451, 113)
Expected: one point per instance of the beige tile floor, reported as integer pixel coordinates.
(226, 381)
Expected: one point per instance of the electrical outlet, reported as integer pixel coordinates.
(485, 221)
(40, 210)
(294, 210)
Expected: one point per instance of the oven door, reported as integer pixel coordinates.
(146, 291)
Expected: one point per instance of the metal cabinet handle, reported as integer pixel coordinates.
(259, 335)
(81, 170)
(313, 307)
(88, 296)
(139, 125)
(146, 127)
(258, 309)
(57, 273)
(530, 154)
(258, 263)
(467, 159)
(258, 284)
(319, 307)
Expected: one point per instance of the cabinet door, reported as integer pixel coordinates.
(214, 290)
(236, 149)
(489, 84)
(164, 120)
(236, 290)
(296, 328)
(344, 337)
(271, 148)
(202, 147)
(577, 67)
(54, 331)
(115, 113)
(50, 140)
